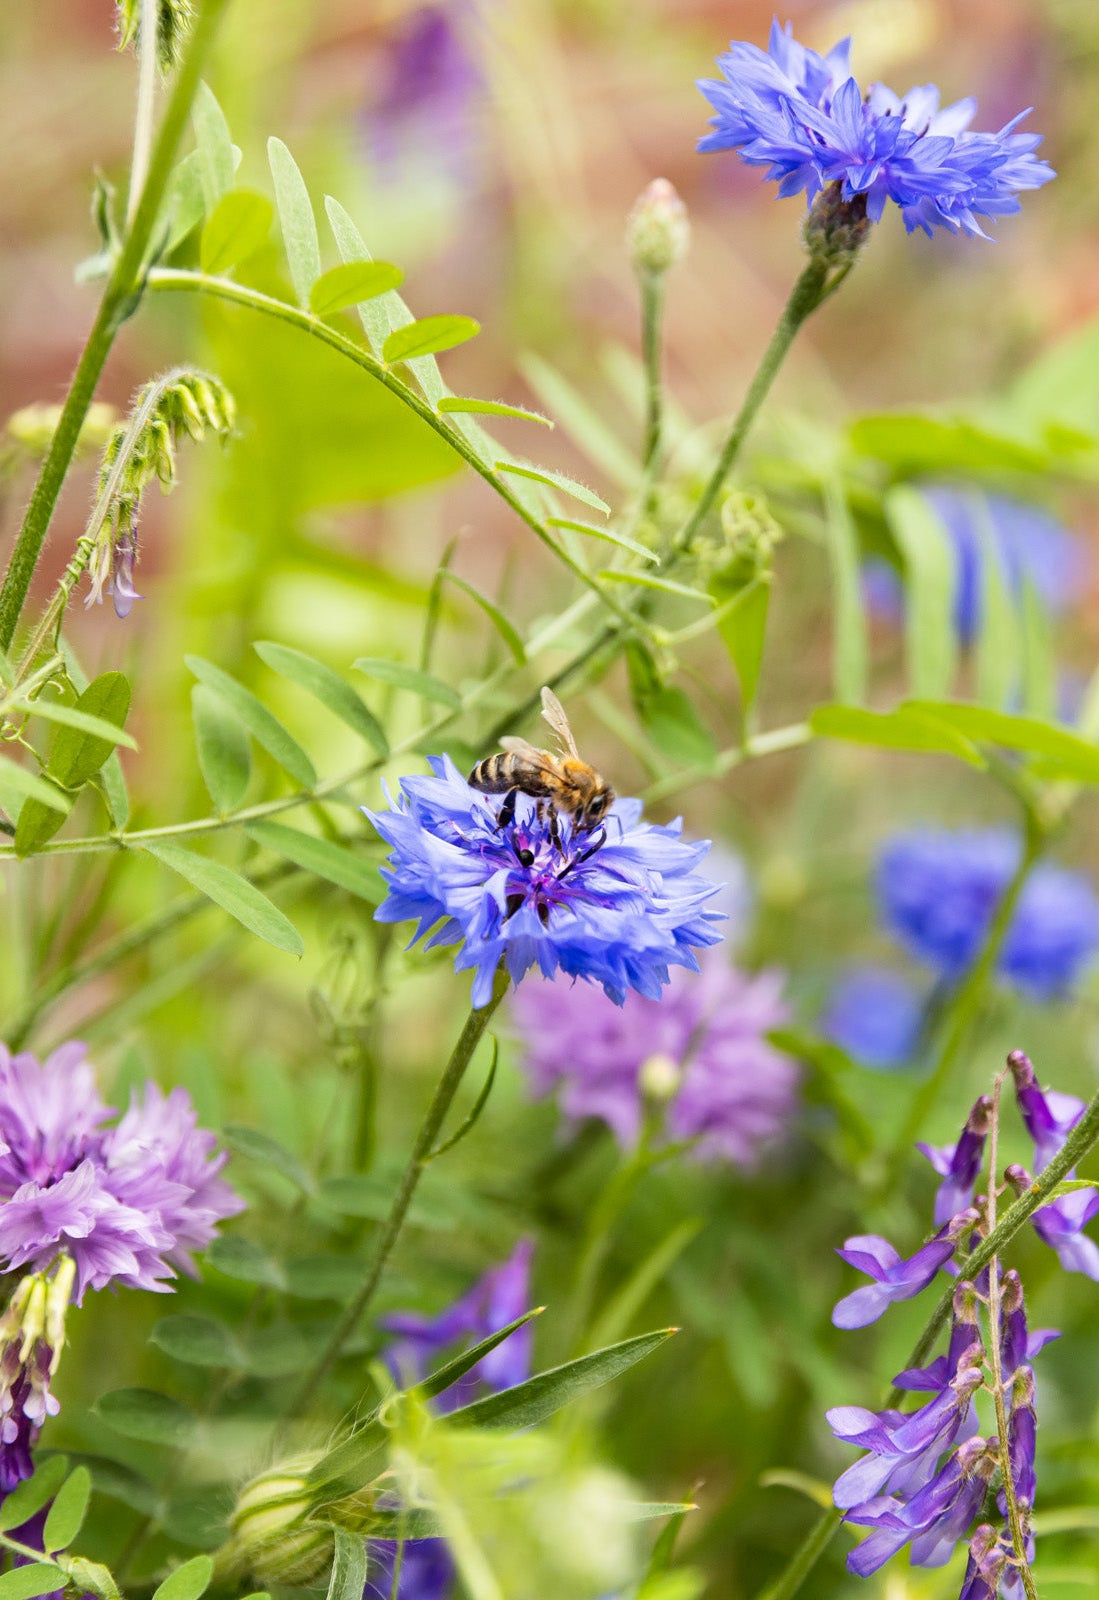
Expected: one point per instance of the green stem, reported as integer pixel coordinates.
(447, 1087)
(146, 104)
(119, 301)
(652, 305)
(1079, 1144)
(807, 294)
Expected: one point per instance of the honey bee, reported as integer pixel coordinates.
(570, 785)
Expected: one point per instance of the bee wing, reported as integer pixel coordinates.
(519, 747)
(554, 713)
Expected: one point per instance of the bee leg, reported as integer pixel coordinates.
(576, 861)
(506, 814)
(555, 829)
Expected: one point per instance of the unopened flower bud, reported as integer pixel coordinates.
(1018, 1178)
(836, 228)
(660, 1078)
(272, 1538)
(657, 231)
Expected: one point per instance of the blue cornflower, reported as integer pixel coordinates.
(938, 892)
(803, 117)
(875, 1015)
(618, 906)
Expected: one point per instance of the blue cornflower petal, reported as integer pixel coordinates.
(875, 1015)
(619, 907)
(803, 117)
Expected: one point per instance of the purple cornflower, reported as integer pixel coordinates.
(617, 906)
(959, 1165)
(894, 1279)
(875, 1015)
(701, 1049)
(86, 1205)
(938, 893)
(803, 117)
(427, 1567)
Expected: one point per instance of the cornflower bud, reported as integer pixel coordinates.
(836, 228)
(660, 1078)
(272, 1538)
(658, 232)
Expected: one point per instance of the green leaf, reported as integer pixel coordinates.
(188, 1581)
(373, 314)
(642, 580)
(495, 616)
(555, 480)
(215, 146)
(348, 1567)
(620, 1310)
(410, 678)
(279, 1351)
(114, 790)
(267, 1152)
(38, 1577)
(532, 1402)
(32, 787)
(607, 534)
(930, 635)
(322, 857)
(91, 1577)
(669, 718)
(326, 686)
(145, 1414)
(350, 284)
(914, 726)
(237, 227)
(996, 649)
(1072, 756)
(438, 1382)
(350, 1465)
(1039, 659)
(99, 728)
(221, 741)
(915, 445)
(427, 335)
(849, 643)
(231, 892)
(743, 630)
(28, 1498)
(365, 1194)
(198, 1341)
(77, 753)
(66, 1515)
(324, 1277)
(36, 825)
(490, 408)
(244, 1261)
(299, 226)
(184, 203)
(264, 727)
(121, 1483)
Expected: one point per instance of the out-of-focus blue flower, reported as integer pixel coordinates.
(875, 1015)
(938, 892)
(1029, 545)
(427, 1567)
(701, 1049)
(959, 1165)
(617, 907)
(803, 117)
(894, 1278)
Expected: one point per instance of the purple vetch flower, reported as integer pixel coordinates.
(426, 111)
(959, 1165)
(427, 1570)
(112, 567)
(938, 893)
(894, 1278)
(1049, 1116)
(701, 1049)
(32, 1337)
(875, 1015)
(804, 118)
(1060, 1223)
(617, 906)
(935, 1517)
(1022, 1436)
(1018, 1346)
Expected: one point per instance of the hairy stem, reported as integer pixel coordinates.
(146, 104)
(119, 300)
(445, 1090)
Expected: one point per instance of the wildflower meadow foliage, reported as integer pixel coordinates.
(514, 1124)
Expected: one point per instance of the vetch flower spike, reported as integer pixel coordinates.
(894, 1278)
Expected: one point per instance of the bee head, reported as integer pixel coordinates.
(597, 808)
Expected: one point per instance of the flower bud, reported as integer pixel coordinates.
(660, 1078)
(836, 229)
(272, 1538)
(657, 231)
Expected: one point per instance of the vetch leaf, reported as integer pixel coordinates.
(37, 1577)
(237, 227)
(215, 146)
(1074, 757)
(322, 857)
(91, 1577)
(188, 1581)
(299, 226)
(30, 786)
(490, 408)
(77, 753)
(66, 1515)
(427, 335)
(494, 615)
(84, 722)
(373, 314)
(915, 726)
(328, 687)
(350, 284)
(530, 1403)
(262, 724)
(184, 203)
(643, 580)
(438, 1382)
(28, 1497)
(555, 480)
(198, 1341)
(145, 1414)
(267, 1152)
(607, 534)
(669, 718)
(743, 630)
(239, 1258)
(221, 741)
(402, 677)
(930, 636)
(348, 1567)
(231, 892)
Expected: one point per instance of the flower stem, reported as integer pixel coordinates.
(1014, 1516)
(447, 1087)
(652, 306)
(146, 104)
(808, 292)
(1082, 1139)
(120, 298)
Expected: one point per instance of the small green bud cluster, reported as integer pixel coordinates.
(658, 231)
(173, 22)
(749, 536)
